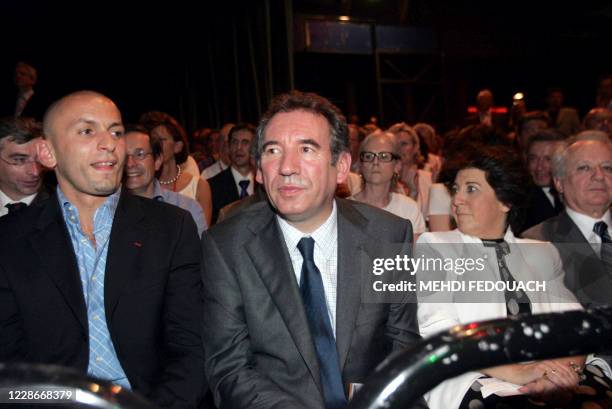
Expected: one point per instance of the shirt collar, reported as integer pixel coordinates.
(326, 232)
(157, 191)
(4, 199)
(110, 204)
(238, 176)
(585, 223)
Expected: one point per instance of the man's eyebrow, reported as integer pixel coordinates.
(312, 142)
(266, 144)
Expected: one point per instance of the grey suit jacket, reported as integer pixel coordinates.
(585, 274)
(259, 350)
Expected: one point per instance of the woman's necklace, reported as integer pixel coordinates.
(174, 179)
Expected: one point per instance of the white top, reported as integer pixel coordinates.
(214, 169)
(190, 166)
(4, 200)
(439, 200)
(585, 225)
(325, 256)
(238, 177)
(406, 208)
(191, 189)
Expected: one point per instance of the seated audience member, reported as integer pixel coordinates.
(415, 180)
(430, 148)
(604, 92)
(144, 158)
(562, 118)
(285, 321)
(173, 176)
(531, 123)
(598, 119)
(20, 172)
(379, 163)
(220, 151)
(485, 114)
(238, 180)
(97, 279)
(487, 195)
(26, 103)
(582, 174)
(544, 201)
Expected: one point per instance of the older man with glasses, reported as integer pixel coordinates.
(144, 159)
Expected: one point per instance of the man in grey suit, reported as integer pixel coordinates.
(582, 173)
(286, 325)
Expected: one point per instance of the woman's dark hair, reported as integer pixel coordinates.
(504, 171)
(153, 119)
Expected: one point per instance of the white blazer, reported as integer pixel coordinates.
(528, 260)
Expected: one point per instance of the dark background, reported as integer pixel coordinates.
(208, 63)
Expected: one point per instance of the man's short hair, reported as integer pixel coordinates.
(19, 130)
(545, 135)
(153, 119)
(559, 159)
(240, 127)
(156, 146)
(309, 102)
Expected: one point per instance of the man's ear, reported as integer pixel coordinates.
(178, 146)
(45, 154)
(343, 166)
(558, 184)
(259, 176)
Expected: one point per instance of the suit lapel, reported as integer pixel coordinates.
(124, 251)
(52, 243)
(351, 242)
(271, 260)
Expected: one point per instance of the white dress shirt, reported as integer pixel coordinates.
(325, 256)
(4, 200)
(238, 177)
(585, 225)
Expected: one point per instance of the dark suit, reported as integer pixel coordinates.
(152, 296)
(223, 191)
(35, 107)
(497, 120)
(538, 208)
(585, 274)
(259, 350)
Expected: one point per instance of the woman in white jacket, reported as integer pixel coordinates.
(487, 196)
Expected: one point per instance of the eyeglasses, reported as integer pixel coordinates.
(139, 155)
(19, 161)
(382, 156)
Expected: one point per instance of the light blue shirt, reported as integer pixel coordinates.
(182, 201)
(91, 259)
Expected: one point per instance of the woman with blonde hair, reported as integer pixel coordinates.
(415, 180)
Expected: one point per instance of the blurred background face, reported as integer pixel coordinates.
(484, 101)
(139, 173)
(170, 147)
(24, 76)
(538, 162)
(378, 172)
(555, 100)
(20, 173)
(475, 207)
(587, 183)
(599, 119)
(407, 147)
(240, 148)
